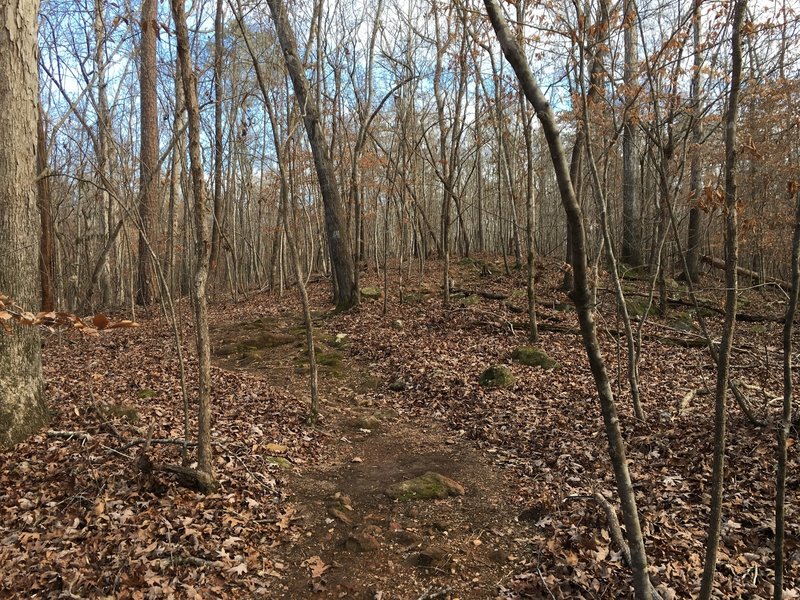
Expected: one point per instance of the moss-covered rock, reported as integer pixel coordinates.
(534, 357)
(279, 461)
(370, 293)
(425, 487)
(497, 376)
(682, 321)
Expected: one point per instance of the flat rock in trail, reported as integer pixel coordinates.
(427, 486)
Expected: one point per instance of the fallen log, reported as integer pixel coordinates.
(717, 263)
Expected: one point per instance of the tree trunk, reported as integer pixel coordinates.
(696, 172)
(631, 243)
(346, 291)
(205, 463)
(149, 170)
(22, 406)
(217, 215)
(47, 244)
(581, 297)
(729, 324)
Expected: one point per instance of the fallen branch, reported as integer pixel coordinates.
(482, 294)
(720, 264)
(71, 435)
(188, 477)
(140, 441)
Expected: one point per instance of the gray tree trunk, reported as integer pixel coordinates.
(346, 289)
(22, 406)
(581, 297)
(148, 172)
(631, 242)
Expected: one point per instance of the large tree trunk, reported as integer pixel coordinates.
(581, 297)
(346, 290)
(149, 170)
(205, 464)
(22, 407)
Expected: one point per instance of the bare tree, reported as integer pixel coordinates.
(581, 296)
(346, 293)
(729, 324)
(205, 464)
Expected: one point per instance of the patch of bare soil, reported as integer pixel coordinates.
(350, 539)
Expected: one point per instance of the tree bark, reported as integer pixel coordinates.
(202, 248)
(729, 323)
(47, 244)
(149, 169)
(631, 243)
(22, 405)
(217, 215)
(346, 290)
(696, 169)
(581, 296)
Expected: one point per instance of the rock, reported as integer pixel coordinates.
(497, 376)
(279, 461)
(427, 486)
(432, 556)
(439, 525)
(398, 324)
(276, 448)
(339, 506)
(533, 357)
(362, 541)
(498, 556)
(407, 538)
(370, 293)
(370, 422)
(398, 385)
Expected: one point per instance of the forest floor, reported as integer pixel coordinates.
(303, 511)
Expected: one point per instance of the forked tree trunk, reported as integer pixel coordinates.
(22, 406)
(205, 465)
(581, 296)
(729, 324)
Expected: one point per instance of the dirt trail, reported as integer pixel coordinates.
(350, 539)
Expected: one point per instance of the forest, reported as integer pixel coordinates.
(401, 300)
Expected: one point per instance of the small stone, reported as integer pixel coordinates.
(276, 448)
(361, 541)
(398, 385)
(398, 324)
(404, 537)
(431, 556)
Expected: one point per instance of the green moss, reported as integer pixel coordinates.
(497, 376)
(370, 293)
(534, 357)
(279, 461)
(682, 321)
(147, 394)
(425, 487)
(471, 300)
